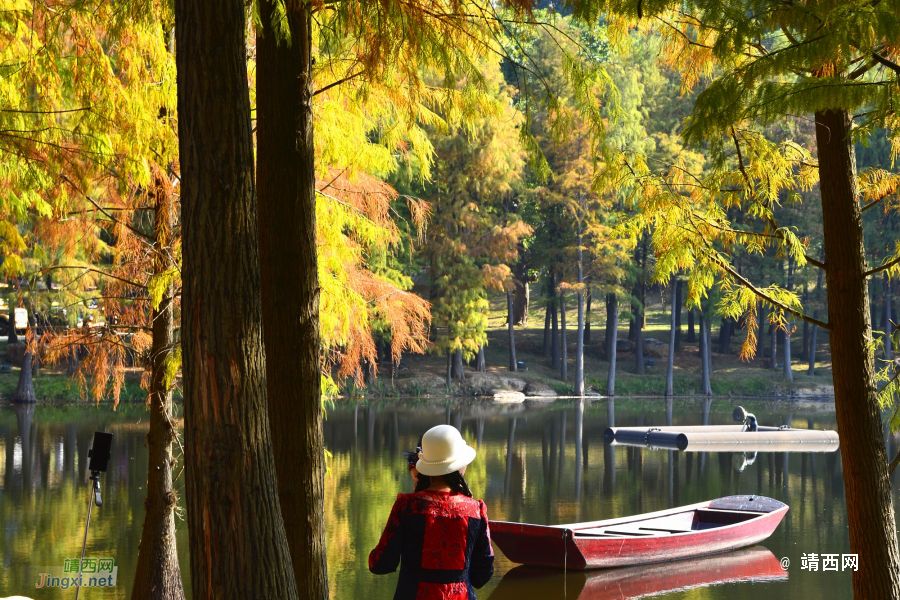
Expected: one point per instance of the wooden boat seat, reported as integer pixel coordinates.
(666, 530)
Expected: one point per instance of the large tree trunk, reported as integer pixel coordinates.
(290, 289)
(870, 511)
(670, 362)
(234, 517)
(612, 329)
(691, 336)
(564, 354)
(510, 319)
(458, 372)
(158, 574)
(480, 364)
(24, 393)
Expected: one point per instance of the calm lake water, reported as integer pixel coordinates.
(530, 467)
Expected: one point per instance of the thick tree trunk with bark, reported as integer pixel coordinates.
(612, 329)
(24, 393)
(458, 372)
(480, 364)
(234, 517)
(670, 362)
(158, 574)
(510, 319)
(290, 288)
(691, 336)
(564, 354)
(870, 512)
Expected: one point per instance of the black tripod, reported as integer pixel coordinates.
(99, 461)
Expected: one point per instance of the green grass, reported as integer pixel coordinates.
(53, 386)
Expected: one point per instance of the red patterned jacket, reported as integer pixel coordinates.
(442, 543)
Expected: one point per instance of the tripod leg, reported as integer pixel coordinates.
(87, 524)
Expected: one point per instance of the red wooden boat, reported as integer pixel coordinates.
(752, 564)
(695, 530)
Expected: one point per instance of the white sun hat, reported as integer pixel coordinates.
(443, 451)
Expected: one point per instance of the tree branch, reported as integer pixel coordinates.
(872, 204)
(883, 267)
(338, 82)
(93, 270)
(140, 234)
(887, 63)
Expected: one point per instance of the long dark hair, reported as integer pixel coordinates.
(455, 480)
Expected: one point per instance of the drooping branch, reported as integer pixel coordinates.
(883, 267)
(769, 219)
(338, 82)
(97, 271)
(758, 292)
(109, 216)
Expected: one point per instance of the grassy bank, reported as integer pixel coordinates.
(56, 386)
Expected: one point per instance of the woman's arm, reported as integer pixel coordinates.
(481, 568)
(386, 555)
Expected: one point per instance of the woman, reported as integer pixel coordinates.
(439, 534)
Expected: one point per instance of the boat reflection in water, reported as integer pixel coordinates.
(755, 564)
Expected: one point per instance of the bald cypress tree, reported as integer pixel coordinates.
(772, 60)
